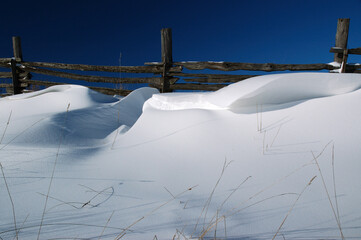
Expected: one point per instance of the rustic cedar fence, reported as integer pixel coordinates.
(166, 73)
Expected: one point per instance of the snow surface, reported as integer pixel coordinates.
(271, 155)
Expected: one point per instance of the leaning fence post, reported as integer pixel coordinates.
(341, 41)
(18, 57)
(167, 58)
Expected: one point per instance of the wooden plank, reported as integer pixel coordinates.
(356, 51)
(5, 85)
(92, 78)
(341, 37)
(267, 67)
(212, 78)
(5, 60)
(83, 67)
(5, 75)
(18, 54)
(197, 86)
(9, 75)
(42, 83)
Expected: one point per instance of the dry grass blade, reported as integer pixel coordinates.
(239, 210)
(21, 227)
(278, 131)
(225, 227)
(11, 200)
(180, 233)
(236, 210)
(111, 215)
(97, 194)
(328, 196)
(294, 204)
(21, 133)
(228, 197)
(120, 235)
(6, 184)
(52, 174)
(206, 205)
(7, 124)
(169, 192)
(71, 204)
(334, 182)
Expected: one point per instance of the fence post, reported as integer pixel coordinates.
(167, 58)
(341, 41)
(18, 57)
(18, 54)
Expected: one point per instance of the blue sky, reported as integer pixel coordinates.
(96, 32)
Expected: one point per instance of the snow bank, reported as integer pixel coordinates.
(82, 116)
(262, 91)
(170, 165)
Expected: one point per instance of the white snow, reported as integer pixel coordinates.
(236, 163)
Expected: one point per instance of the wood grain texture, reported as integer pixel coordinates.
(267, 67)
(88, 78)
(197, 86)
(83, 67)
(341, 37)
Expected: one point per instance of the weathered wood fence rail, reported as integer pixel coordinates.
(166, 74)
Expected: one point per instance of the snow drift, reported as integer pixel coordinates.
(272, 156)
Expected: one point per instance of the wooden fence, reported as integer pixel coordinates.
(166, 74)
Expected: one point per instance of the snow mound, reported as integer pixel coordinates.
(180, 101)
(284, 88)
(77, 115)
(267, 90)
